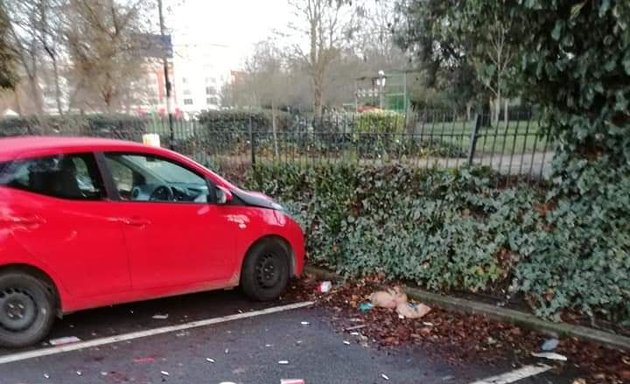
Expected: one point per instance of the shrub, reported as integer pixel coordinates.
(450, 230)
(112, 126)
(229, 131)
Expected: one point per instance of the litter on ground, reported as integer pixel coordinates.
(396, 298)
(550, 345)
(354, 328)
(550, 356)
(144, 359)
(324, 287)
(388, 299)
(64, 340)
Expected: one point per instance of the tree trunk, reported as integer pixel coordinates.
(468, 109)
(36, 96)
(18, 104)
(274, 130)
(36, 93)
(505, 112)
(57, 87)
(496, 109)
(318, 92)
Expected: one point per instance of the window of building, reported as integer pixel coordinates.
(188, 101)
(187, 92)
(211, 91)
(74, 177)
(212, 101)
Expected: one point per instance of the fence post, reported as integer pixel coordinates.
(473, 139)
(252, 141)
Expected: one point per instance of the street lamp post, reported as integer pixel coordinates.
(167, 81)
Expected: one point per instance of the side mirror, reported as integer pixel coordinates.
(223, 195)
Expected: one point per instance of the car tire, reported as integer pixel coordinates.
(265, 273)
(27, 309)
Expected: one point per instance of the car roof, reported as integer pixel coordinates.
(15, 147)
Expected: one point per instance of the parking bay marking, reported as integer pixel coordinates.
(150, 332)
(515, 375)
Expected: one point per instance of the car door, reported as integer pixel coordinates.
(175, 236)
(61, 217)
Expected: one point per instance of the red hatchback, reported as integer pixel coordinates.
(88, 222)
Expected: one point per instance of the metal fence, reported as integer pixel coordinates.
(428, 139)
(233, 142)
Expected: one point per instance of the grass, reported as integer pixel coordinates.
(502, 139)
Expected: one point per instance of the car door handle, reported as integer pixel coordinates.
(133, 221)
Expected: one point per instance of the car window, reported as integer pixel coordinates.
(73, 176)
(151, 178)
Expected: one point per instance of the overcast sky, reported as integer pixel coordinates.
(235, 25)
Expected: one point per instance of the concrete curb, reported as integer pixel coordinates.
(522, 319)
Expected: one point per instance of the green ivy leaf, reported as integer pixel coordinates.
(604, 7)
(557, 30)
(575, 10)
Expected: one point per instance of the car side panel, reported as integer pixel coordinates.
(257, 223)
(251, 224)
(76, 241)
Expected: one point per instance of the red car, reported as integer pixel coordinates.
(87, 222)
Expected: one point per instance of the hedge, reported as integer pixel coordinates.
(112, 126)
(449, 230)
(370, 135)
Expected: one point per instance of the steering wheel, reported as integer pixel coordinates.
(162, 193)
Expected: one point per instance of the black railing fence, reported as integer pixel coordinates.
(429, 139)
(514, 147)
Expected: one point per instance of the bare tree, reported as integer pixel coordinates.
(103, 45)
(37, 28)
(327, 25)
(267, 81)
(500, 53)
(7, 51)
(50, 38)
(24, 26)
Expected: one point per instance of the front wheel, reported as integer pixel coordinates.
(265, 273)
(27, 310)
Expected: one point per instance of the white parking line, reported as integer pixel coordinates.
(150, 332)
(516, 375)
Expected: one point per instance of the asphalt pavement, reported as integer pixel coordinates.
(263, 348)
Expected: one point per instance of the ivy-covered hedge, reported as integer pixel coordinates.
(112, 126)
(454, 230)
